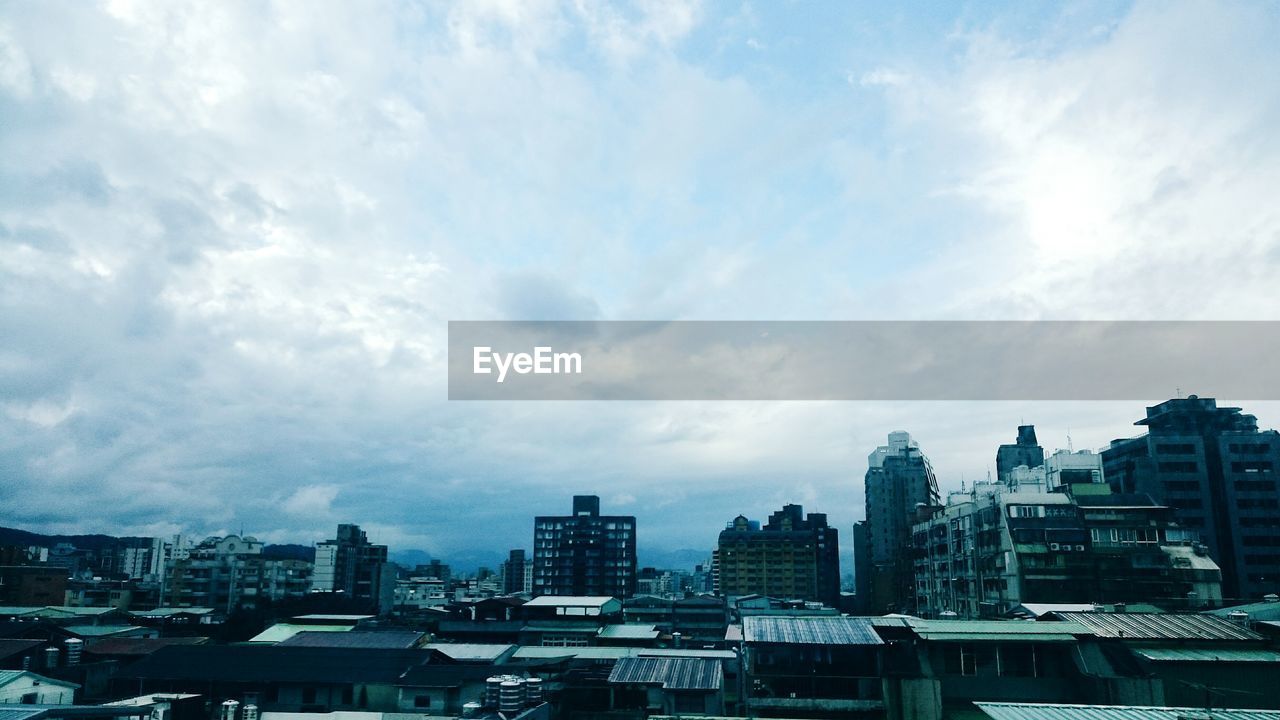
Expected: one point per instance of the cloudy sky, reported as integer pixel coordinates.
(231, 236)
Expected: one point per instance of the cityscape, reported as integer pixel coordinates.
(639, 360)
(1146, 573)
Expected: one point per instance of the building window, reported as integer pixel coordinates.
(1182, 466)
(422, 701)
(308, 696)
(1175, 449)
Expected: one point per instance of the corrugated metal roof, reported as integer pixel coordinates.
(532, 652)
(629, 632)
(1160, 626)
(1038, 711)
(1208, 655)
(944, 630)
(472, 651)
(810, 631)
(671, 673)
(19, 713)
(568, 601)
(373, 639)
(1257, 611)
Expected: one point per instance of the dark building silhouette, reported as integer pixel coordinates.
(513, 572)
(1218, 471)
(862, 567)
(585, 553)
(351, 565)
(899, 485)
(791, 557)
(1026, 451)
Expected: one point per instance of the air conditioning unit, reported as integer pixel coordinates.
(1053, 546)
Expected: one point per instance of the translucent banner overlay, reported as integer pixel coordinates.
(862, 360)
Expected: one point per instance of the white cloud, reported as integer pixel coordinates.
(311, 501)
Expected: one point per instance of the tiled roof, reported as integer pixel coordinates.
(1160, 626)
(671, 673)
(810, 631)
(1038, 711)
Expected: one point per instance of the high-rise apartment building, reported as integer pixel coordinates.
(585, 553)
(899, 484)
(516, 573)
(1025, 452)
(791, 557)
(1218, 471)
(351, 565)
(230, 572)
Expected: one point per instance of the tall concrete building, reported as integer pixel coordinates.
(996, 546)
(900, 484)
(791, 557)
(351, 565)
(517, 575)
(585, 553)
(1025, 452)
(1218, 471)
(229, 572)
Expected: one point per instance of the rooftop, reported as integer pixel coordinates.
(1042, 711)
(810, 631)
(274, 663)
(380, 639)
(283, 631)
(950, 630)
(630, 631)
(1159, 626)
(473, 652)
(569, 601)
(670, 673)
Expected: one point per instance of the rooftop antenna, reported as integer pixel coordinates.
(1070, 448)
(1178, 391)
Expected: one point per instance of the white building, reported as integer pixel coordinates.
(28, 688)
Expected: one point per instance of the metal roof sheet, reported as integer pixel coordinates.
(531, 652)
(810, 630)
(944, 630)
(388, 639)
(1257, 611)
(1160, 626)
(569, 601)
(283, 631)
(629, 632)
(671, 673)
(472, 651)
(1209, 655)
(1042, 711)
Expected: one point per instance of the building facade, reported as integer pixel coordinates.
(351, 565)
(585, 553)
(230, 572)
(792, 557)
(995, 547)
(1218, 471)
(899, 482)
(1025, 452)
